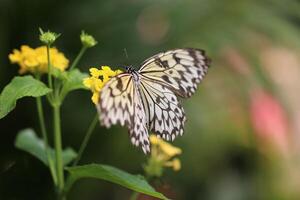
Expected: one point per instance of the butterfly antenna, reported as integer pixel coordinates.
(125, 51)
(127, 58)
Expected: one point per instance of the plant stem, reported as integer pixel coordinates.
(86, 139)
(45, 138)
(134, 195)
(74, 64)
(78, 57)
(58, 147)
(49, 68)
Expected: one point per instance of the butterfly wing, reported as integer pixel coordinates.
(139, 130)
(164, 114)
(116, 101)
(120, 102)
(179, 69)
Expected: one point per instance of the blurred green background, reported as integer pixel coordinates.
(242, 136)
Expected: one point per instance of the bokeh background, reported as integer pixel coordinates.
(242, 138)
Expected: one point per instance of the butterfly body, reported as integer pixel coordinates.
(146, 99)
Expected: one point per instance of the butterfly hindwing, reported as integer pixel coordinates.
(180, 69)
(164, 113)
(139, 130)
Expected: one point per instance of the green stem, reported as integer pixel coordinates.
(45, 138)
(134, 196)
(58, 147)
(86, 139)
(49, 68)
(78, 57)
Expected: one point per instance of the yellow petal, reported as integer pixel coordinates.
(95, 97)
(31, 62)
(175, 164)
(59, 61)
(154, 139)
(16, 56)
(87, 82)
(166, 147)
(95, 72)
(169, 149)
(97, 80)
(106, 71)
(118, 71)
(97, 84)
(25, 49)
(27, 52)
(41, 50)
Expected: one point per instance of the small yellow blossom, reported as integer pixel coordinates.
(175, 164)
(154, 140)
(168, 149)
(97, 80)
(35, 60)
(162, 155)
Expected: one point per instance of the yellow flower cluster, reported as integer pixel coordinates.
(162, 155)
(35, 60)
(165, 152)
(97, 80)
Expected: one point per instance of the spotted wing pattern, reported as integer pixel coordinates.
(164, 114)
(147, 99)
(116, 101)
(120, 102)
(139, 130)
(179, 69)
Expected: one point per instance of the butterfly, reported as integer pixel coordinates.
(146, 100)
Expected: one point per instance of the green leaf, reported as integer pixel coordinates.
(20, 86)
(28, 141)
(114, 175)
(74, 81)
(57, 73)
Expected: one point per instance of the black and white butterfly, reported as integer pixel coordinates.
(145, 100)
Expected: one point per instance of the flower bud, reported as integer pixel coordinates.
(87, 40)
(48, 37)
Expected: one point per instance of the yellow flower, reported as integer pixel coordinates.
(97, 80)
(162, 155)
(57, 59)
(168, 149)
(175, 164)
(35, 60)
(154, 140)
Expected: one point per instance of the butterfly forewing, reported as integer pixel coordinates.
(116, 101)
(120, 102)
(179, 69)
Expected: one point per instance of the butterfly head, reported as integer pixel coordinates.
(129, 69)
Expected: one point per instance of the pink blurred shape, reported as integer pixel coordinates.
(269, 121)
